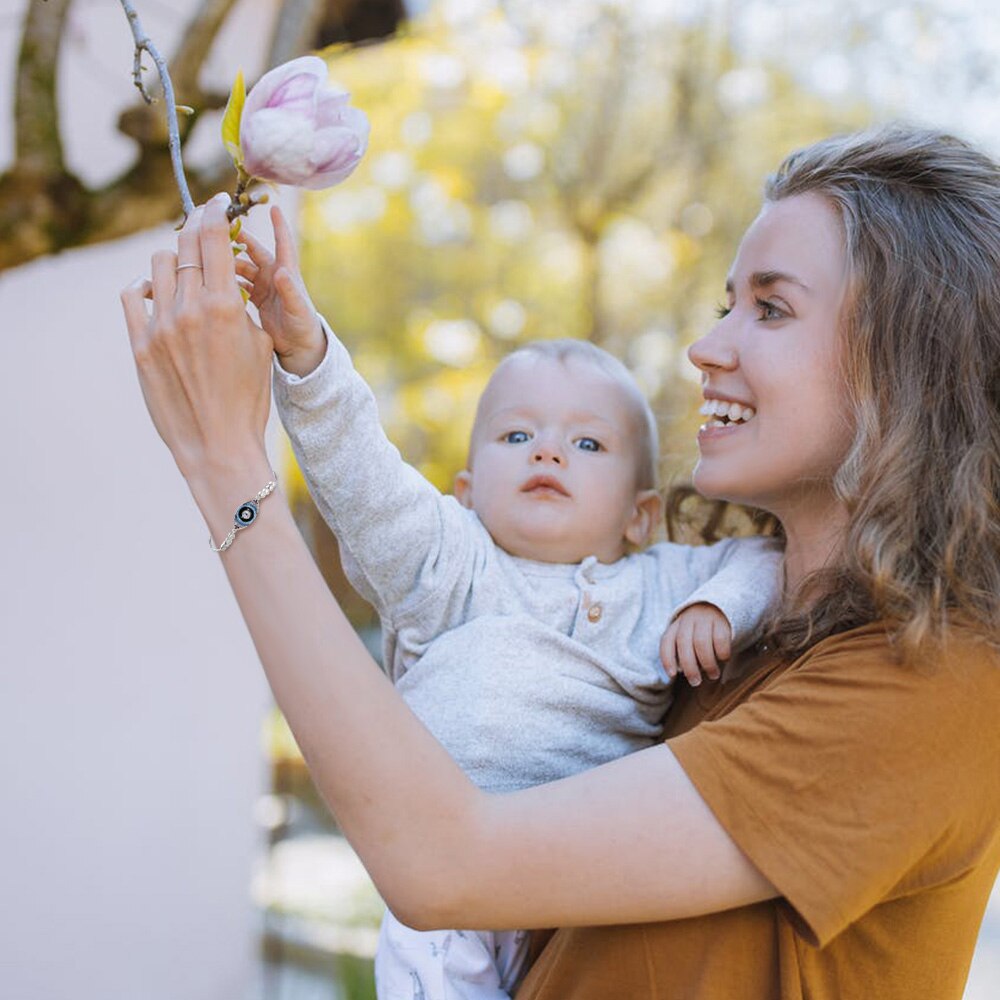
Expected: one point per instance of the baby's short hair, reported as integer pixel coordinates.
(565, 349)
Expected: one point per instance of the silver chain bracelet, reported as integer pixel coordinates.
(245, 515)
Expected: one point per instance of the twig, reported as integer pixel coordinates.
(143, 43)
(242, 200)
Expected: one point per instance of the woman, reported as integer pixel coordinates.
(823, 822)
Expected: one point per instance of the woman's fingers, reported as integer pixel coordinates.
(133, 299)
(189, 265)
(216, 246)
(164, 271)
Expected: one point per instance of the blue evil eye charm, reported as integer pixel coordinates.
(246, 515)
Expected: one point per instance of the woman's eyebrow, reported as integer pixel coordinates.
(764, 279)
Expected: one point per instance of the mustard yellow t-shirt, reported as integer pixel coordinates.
(867, 791)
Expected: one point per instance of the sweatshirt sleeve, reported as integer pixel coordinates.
(403, 544)
(739, 576)
(853, 780)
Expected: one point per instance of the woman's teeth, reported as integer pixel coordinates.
(723, 413)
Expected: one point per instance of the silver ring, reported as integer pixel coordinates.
(180, 267)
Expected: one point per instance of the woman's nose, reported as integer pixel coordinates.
(715, 351)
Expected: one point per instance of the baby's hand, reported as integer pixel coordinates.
(277, 290)
(696, 642)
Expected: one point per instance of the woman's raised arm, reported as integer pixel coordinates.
(630, 841)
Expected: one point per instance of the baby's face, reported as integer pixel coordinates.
(554, 463)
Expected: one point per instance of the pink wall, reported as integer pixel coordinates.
(131, 694)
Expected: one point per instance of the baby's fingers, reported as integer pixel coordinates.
(258, 252)
(704, 647)
(687, 654)
(285, 250)
(722, 639)
(668, 651)
(294, 298)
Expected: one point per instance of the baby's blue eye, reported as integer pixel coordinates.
(589, 444)
(516, 437)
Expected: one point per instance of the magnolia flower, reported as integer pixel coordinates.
(299, 128)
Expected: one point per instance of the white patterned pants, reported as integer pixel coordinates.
(447, 965)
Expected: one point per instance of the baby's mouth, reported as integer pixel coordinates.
(544, 486)
(722, 413)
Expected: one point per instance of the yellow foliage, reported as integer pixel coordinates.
(231, 119)
(515, 191)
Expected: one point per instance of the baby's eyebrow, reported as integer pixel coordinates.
(583, 418)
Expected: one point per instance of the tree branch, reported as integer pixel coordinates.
(143, 43)
(43, 207)
(38, 146)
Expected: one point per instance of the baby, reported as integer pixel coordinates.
(522, 620)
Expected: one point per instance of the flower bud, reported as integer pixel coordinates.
(299, 128)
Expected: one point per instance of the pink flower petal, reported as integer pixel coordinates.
(261, 93)
(335, 148)
(299, 128)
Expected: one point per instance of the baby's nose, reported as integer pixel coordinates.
(546, 453)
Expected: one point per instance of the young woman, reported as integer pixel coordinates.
(825, 820)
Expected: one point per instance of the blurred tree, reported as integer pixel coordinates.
(538, 177)
(582, 173)
(44, 207)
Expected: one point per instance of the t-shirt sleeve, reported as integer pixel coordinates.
(851, 775)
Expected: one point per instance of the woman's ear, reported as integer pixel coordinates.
(645, 516)
(463, 488)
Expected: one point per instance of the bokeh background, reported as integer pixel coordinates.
(577, 168)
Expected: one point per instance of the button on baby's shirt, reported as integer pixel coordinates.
(594, 613)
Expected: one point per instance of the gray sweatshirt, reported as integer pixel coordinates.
(525, 671)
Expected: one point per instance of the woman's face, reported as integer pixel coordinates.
(774, 353)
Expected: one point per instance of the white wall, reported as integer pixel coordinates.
(131, 697)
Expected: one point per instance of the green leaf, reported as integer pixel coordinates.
(231, 119)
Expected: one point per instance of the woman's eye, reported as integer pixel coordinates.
(768, 310)
(589, 444)
(516, 437)
(722, 311)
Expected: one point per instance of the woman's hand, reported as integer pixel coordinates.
(279, 293)
(203, 364)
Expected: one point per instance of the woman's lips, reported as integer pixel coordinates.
(544, 486)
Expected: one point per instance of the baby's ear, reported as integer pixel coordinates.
(645, 517)
(463, 488)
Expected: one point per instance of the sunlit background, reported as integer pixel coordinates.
(580, 168)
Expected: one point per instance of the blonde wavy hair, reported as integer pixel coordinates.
(921, 364)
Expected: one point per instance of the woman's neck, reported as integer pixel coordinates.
(813, 536)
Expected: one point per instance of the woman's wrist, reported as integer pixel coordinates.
(220, 484)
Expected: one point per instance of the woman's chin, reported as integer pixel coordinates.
(709, 482)
(715, 483)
